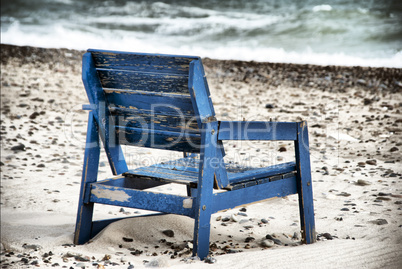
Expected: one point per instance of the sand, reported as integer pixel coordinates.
(355, 124)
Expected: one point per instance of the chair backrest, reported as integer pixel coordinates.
(149, 100)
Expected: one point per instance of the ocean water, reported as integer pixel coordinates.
(336, 32)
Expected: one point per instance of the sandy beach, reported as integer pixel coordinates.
(355, 125)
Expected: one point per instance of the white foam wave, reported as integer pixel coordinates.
(58, 36)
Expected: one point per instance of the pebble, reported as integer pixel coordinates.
(381, 221)
(234, 218)
(126, 239)
(34, 247)
(19, 147)
(210, 260)
(168, 233)
(264, 220)
(249, 239)
(276, 241)
(267, 243)
(269, 106)
(361, 182)
(371, 162)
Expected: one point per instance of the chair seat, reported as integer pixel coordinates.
(185, 171)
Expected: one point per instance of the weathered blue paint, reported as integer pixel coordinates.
(305, 184)
(97, 99)
(238, 175)
(203, 205)
(188, 142)
(257, 130)
(163, 101)
(148, 200)
(171, 64)
(89, 175)
(145, 82)
(251, 194)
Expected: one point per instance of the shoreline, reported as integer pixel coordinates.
(355, 135)
(305, 76)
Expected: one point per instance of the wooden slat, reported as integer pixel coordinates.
(186, 142)
(140, 81)
(137, 182)
(148, 120)
(164, 104)
(251, 174)
(231, 199)
(199, 93)
(164, 175)
(101, 113)
(117, 196)
(171, 64)
(257, 130)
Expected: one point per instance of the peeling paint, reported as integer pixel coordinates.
(110, 194)
(188, 203)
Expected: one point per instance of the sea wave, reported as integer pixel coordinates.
(59, 36)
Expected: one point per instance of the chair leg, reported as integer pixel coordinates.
(204, 197)
(83, 227)
(304, 184)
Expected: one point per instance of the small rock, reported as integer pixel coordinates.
(276, 241)
(361, 182)
(34, 115)
(243, 209)
(327, 236)
(282, 149)
(371, 162)
(264, 220)
(168, 233)
(267, 243)
(393, 149)
(269, 106)
(126, 239)
(210, 260)
(249, 239)
(381, 221)
(34, 247)
(20, 147)
(234, 218)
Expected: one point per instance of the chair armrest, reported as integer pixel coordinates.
(257, 130)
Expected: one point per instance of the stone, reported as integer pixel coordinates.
(168, 233)
(210, 260)
(269, 106)
(20, 147)
(371, 162)
(127, 239)
(393, 149)
(264, 220)
(267, 243)
(381, 221)
(249, 239)
(282, 149)
(361, 182)
(276, 241)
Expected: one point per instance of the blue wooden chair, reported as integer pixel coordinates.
(163, 102)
